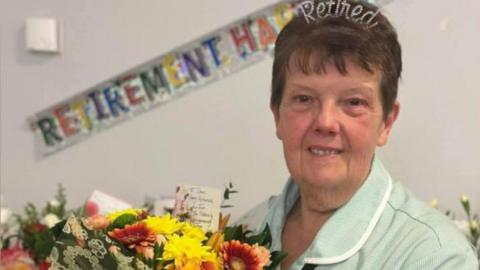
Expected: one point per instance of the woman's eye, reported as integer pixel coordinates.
(303, 98)
(357, 102)
(301, 102)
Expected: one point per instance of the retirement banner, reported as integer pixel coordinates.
(162, 79)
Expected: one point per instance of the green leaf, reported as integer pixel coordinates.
(121, 221)
(31, 213)
(157, 251)
(228, 233)
(264, 238)
(62, 201)
(57, 229)
(41, 244)
(234, 233)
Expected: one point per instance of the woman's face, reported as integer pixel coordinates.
(330, 124)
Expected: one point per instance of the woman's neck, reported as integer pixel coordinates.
(309, 216)
(301, 227)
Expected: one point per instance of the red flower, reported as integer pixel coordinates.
(136, 236)
(43, 265)
(36, 228)
(239, 256)
(91, 208)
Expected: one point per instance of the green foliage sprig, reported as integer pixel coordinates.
(226, 194)
(33, 233)
(473, 227)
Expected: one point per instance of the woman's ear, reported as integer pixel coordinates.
(388, 124)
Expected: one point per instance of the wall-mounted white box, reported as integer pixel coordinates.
(43, 35)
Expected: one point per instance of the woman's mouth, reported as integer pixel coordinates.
(320, 151)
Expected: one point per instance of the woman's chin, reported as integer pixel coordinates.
(325, 181)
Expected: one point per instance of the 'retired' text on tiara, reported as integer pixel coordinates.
(339, 8)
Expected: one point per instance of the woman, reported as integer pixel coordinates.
(334, 90)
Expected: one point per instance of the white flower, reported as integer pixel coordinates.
(433, 203)
(464, 199)
(50, 220)
(463, 226)
(54, 203)
(5, 214)
(473, 225)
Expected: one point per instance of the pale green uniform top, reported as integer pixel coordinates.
(383, 226)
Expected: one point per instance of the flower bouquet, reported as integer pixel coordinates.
(133, 239)
(28, 241)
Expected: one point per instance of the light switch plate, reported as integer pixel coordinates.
(43, 35)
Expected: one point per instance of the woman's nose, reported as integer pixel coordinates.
(326, 119)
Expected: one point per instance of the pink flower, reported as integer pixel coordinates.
(16, 258)
(146, 251)
(113, 249)
(263, 255)
(91, 208)
(98, 222)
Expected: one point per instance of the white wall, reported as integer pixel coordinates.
(224, 131)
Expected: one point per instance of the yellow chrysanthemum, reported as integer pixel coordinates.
(184, 249)
(207, 265)
(115, 215)
(193, 231)
(190, 265)
(165, 225)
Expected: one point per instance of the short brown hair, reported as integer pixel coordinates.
(333, 39)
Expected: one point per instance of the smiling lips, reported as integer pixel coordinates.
(324, 151)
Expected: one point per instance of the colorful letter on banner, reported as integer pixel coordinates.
(192, 65)
(211, 57)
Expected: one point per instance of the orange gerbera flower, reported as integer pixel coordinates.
(207, 265)
(239, 256)
(137, 236)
